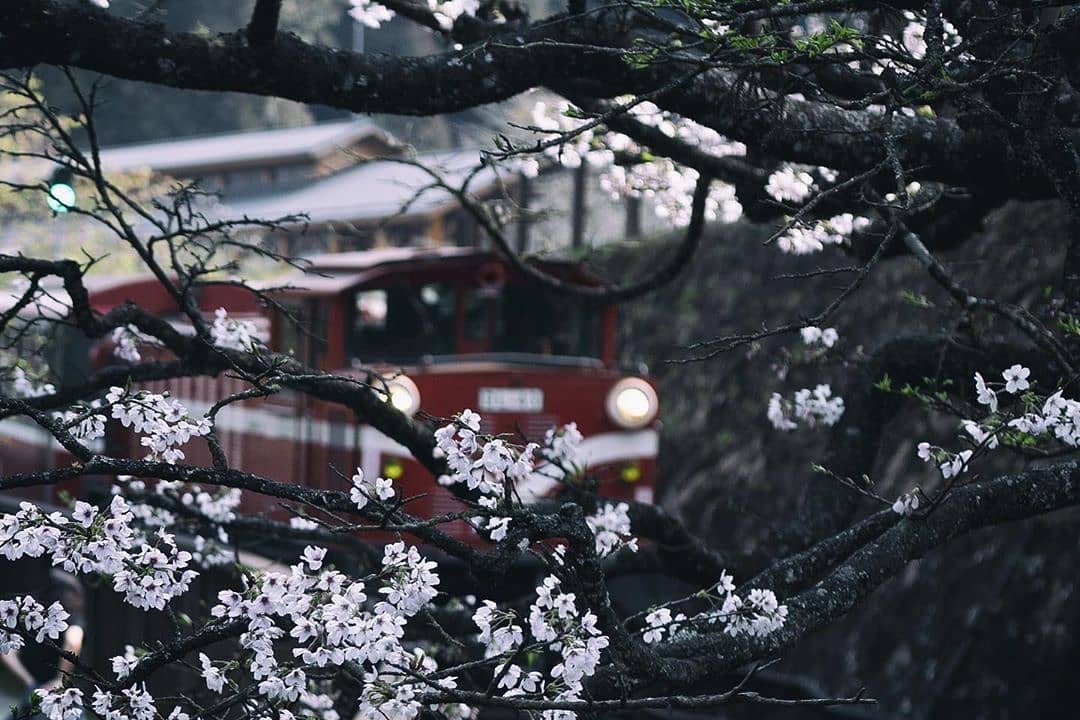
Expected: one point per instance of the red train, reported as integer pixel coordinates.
(455, 328)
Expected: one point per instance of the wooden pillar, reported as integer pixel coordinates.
(581, 176)
(524, 199)
(437, 230)
(633, 217)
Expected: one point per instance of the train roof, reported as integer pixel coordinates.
(366, 259)
(333, 273)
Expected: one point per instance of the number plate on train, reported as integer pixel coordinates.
(510, 400)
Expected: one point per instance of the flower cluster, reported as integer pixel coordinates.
(216, 506)
(132, 703)
(232, 334)
(660, 621)
(23, 386)
(906, 504)
(488, 464)
(95, 541)
(122, 665)
(562, 446)
(391, 691)
(163, 420)
(126, 339)
(757, 614)
(60, 704)
(667, 185)
(1032, 418)
(499, 631)
(85, 423)
(27, 614)
(913, 35)
(372, 14)
(790, 184)
(800, 239)
(611, 526)
(809, 407)
(327, 620)
(556, 622)
(670, 187)
(364, 490)
(813, 335)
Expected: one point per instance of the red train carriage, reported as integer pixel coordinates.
(452, 328)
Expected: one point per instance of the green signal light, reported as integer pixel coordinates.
(61, 197)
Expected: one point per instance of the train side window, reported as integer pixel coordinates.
(370, 311)
(290, 337)
(439, 302)
(300, 329)
(403, 322)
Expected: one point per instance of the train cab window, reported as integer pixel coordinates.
(480, 306)
(531, 321)
(521, 319)
(402, 322)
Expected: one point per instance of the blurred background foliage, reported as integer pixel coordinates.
(137, 112)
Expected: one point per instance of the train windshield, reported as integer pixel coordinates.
(406, 321)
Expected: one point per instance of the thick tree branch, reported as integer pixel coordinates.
(580, 55)
(979, 505)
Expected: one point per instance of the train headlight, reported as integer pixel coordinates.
(403, 394)
(632, 403)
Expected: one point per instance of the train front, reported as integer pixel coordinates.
(456, 329)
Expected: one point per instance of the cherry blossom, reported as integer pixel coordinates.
(984, 395)
(668, 185)
(790, 184)
(913, 35)
(122, 665)
(369, 13)
(1016, 379)
(813, 335)
(164, 421)
(23, 386)
(611, 526)
(147, 575)
(906, 504)
(212, 675)
(126, 339)
(233, 334)
(809, 407)
(61, 703)
(802, 239)
(364, 490)
(25, 614)
(373, 15)
(758, 613)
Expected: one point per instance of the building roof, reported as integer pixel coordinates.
(262, 147)
(371, 190)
